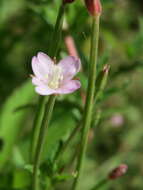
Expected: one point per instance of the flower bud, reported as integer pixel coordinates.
(118, 172)
(68, 1)
(94, 7)
(106, 69)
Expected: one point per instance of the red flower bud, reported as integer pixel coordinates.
(94, 7)
(68, 1)
(118, 172)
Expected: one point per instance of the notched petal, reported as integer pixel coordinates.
(43, 58)
(70, 66)
(69, 87)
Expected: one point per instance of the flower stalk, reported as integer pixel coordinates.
(52, 52)
(55, 40)
(43, 110)
(50, 78)
(87, 116)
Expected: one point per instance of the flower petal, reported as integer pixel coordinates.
(45, 61)
(69, 87)
(36, 81)
(44, 90)
(70, 66)
(35, 67)
(41, 65)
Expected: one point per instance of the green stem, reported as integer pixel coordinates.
(36, 125)
(43, 130)
(55, 41)
(87, 116)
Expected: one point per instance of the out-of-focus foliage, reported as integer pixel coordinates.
(25, 28)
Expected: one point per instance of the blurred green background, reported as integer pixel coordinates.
(26, 27)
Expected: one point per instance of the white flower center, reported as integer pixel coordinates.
(56, 77)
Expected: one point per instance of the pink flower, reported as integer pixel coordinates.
(51, 78)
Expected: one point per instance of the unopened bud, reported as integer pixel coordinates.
(94, 7)
(118, 172)
(106, 69)
(68, 1)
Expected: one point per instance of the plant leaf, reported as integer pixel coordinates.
(11, 121)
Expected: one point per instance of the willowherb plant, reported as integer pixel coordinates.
(82, 128)
(51, 78)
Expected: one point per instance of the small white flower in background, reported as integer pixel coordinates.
(51, 78)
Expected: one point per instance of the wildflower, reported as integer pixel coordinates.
(51, 78)
(118, 172)
(94, 7)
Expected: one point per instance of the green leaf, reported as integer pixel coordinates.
(21, 179)
(11, 122)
